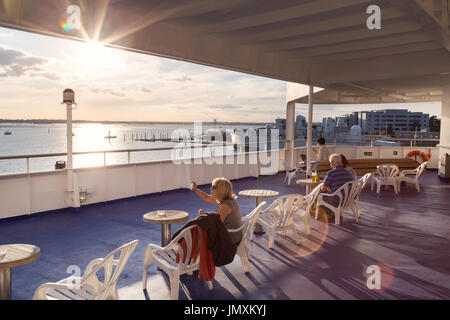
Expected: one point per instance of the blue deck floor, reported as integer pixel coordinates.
(407, 235)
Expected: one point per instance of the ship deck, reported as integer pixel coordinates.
(406, 235)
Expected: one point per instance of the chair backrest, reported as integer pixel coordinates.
(184, 249)
(285, 207)
(363, 180)
(420, 168)
(311, 197)
(387, 170)
(112, 268)
(348, 191)
(362, 183)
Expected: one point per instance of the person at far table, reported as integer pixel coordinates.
(335, 178)
(321, 151)
(227, 207)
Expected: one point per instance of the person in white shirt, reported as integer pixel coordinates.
(321, 151)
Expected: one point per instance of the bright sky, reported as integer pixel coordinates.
(112, 84)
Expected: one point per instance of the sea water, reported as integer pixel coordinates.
(34, 139)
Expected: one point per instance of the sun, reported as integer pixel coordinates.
(93, 56)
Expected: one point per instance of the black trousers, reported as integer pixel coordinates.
(331, 201)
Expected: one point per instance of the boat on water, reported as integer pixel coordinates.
(8, 133)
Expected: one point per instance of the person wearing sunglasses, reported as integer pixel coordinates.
(227, 207)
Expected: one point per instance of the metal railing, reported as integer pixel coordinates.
(330, 142)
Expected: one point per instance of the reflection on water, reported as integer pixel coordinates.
(29, 139)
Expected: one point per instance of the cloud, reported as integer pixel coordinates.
(225, 107)
(181, 79)
(146, 90)
(14, 63)
(99, 89)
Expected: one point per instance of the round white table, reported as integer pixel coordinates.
(16, 255)
(258, 194)
(169, 217)
(310, 185)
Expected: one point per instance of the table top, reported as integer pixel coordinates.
(308, 181)
(258, 193)
(172, 216)
(18, 254)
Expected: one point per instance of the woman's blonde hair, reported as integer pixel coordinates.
(224, 189)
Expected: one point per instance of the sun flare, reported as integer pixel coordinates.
(93, 56)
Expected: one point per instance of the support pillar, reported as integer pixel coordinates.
(290, 134)
(309, 135)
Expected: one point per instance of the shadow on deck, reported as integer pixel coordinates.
(406, 235)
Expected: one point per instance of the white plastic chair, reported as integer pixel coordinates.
(361, 184)
(166, 259)
(416, 172)
(247, 227)
(88, 286)
(309, 200)
(279, 216)
(346, 195)
(385, 175)
(292, 172)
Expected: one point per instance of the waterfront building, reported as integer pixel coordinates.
(390, 120)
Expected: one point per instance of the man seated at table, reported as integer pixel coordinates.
(335, 178)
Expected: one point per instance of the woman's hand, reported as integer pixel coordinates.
(193, 185)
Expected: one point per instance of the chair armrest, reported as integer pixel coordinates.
(41, 291)
(92, 265)
(154, 246)
(405, 172)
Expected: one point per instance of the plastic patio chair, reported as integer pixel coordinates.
(247, 228)
(166, 259)
(279, 216)
(88, 286)
(292, 172)
(402, 177)
(361, 184)
(309, 200)
(385, 175)
(346, 195)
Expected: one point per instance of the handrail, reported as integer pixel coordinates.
(191, 145)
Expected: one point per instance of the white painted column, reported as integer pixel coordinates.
(309, 136)
(444, 143)
(69, 149)
(290, 133)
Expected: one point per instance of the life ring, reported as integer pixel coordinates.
(416, 153)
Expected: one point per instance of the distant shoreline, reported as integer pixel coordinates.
(53, 121)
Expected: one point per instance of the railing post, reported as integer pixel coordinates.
(129, 157)
(104, 159)
(28, 165)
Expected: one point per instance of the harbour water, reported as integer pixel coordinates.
(33, 139)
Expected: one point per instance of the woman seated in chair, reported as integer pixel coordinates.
(227, 207)
(346, 165)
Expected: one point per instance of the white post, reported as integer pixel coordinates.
(69, 148)
(309, 136)
(290, 133)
